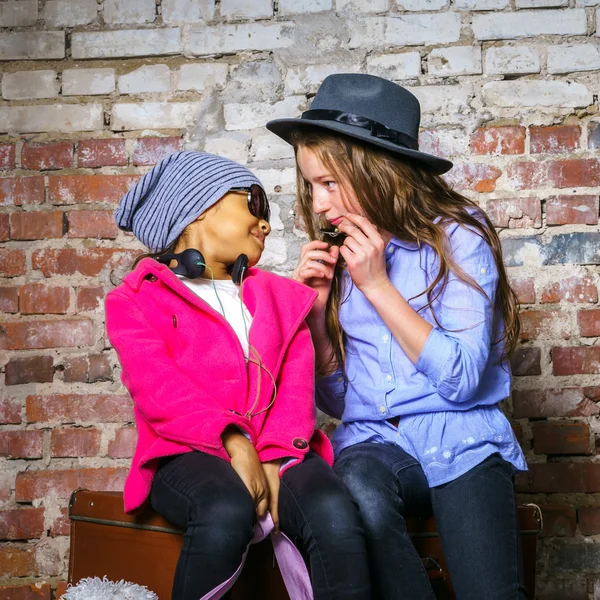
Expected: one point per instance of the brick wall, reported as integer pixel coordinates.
(94, 93)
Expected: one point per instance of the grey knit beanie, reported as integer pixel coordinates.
(175, 193)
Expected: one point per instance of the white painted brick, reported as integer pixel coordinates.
(149, 78)
(598, 21)
(19, 13)
(512, 60)
(406, 30)
(395, 66)
(153, 115)
(457, 60)
(228, 39)
(28, 85)
(187, 11)
(481, 4)
(125, 43)
(88, 82)
(268, 146)
(129, 11)
(202, 76)
(26, 45)
(301, 80)
(578, 57)
(354, 6)
(246, 9)
(540, 3)
(243, 87)
(444, 142)
(256, 114)
(70, 13)
(442, 98)
(291, 7)
(277, 178)
(232, 144)
(587, 2)
(534, 93)
(498, 26)
(64, 118)
(421, 5)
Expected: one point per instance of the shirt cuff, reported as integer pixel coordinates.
(434, 356)
(334, 384)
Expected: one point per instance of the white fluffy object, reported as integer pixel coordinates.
(94, 588)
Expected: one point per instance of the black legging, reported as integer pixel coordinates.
(203, 495)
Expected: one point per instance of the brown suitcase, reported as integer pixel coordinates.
(144, 549)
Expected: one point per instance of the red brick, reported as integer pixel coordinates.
(36, 225)
(527, 175)
(149, 151)
(477, 177)
(563, 478)
(38, 299)
(565, 402)
(32, 485)
(575, 172)
(65, 443)
(4, 227)
(46, 157)
(544, 324)
(9, 299)
(78, 189)
(526, 361)
(123, 446)
(92, 224)
(589, 520)
(12, 263)
(21, 444)
(29, 335)
(89, 262)
(10, 411)
(6, 485)
(589, 322)
(87, 369)
(576, 210)
(554, 140)
(102, 153)
(7, 156)
(498, 140)
(18, 191)
(580, 360)
(573, 289)
(559, 520)
(516, 213)
(21, 524)
(558, 437)
(71, 408)
(62, 524)
(18, 560)
(33, 591)
(30, 369)
(524, 288)
(90, 298)
(61, 588)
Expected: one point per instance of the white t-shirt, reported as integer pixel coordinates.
(229, 294)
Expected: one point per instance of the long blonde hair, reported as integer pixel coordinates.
(412, 203)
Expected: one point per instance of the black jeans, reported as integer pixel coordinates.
(203, 495)
(476, 516)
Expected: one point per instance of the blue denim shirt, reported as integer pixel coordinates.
(448, 402)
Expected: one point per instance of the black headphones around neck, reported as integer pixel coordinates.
(190, 264)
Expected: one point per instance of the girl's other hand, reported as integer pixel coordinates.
(363, 250)
(272, 472)
(315, 269)
(247, 465)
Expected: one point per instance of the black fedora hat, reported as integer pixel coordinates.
(368, 108)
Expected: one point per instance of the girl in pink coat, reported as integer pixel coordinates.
(219, 363)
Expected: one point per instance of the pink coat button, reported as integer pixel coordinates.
(300, 443)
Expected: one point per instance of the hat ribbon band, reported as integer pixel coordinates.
(376, 129)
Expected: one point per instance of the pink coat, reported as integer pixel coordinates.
(186, 372)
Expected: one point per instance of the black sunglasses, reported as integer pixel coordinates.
(258, 205)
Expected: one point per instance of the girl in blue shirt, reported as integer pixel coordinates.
(413, 327)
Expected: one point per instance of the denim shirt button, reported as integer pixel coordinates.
(382, 409)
